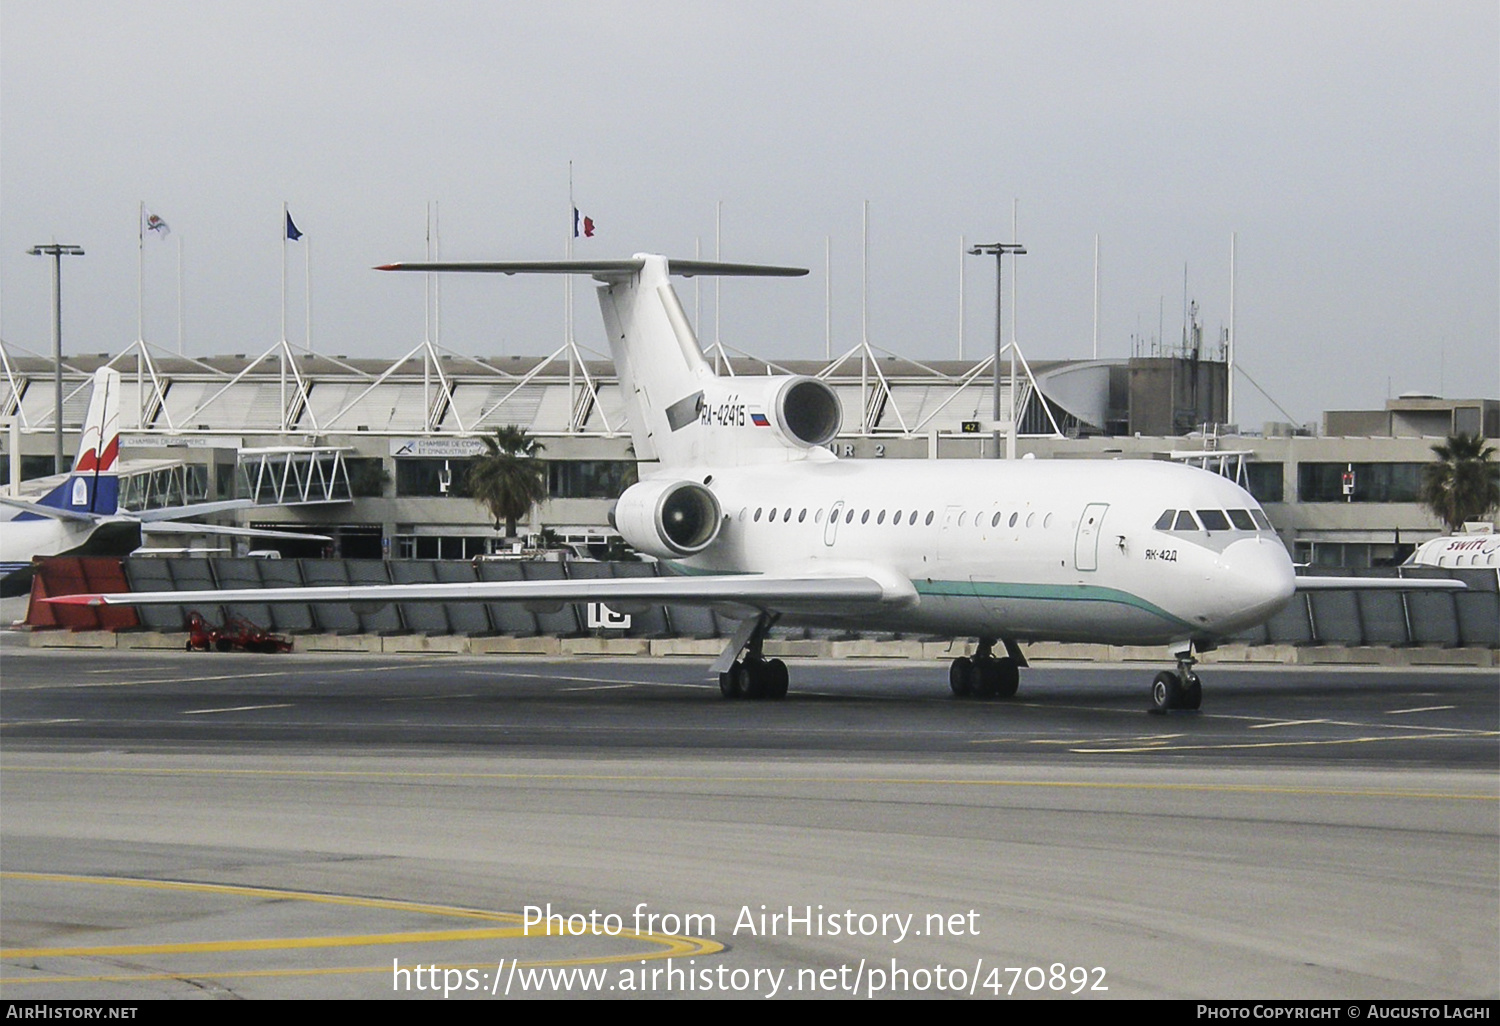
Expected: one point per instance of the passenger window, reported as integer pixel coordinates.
(1164, 522)
(757, 514)
(881, 518)
(787, 516)
(928, 521)
(1241, 519)
(1013, 518)
(1185, 522)
(962, 517)
(818, 517)
(995, 520)
(801, 516)
(1213, 519)
(864, 518)
(897, 518)
(913, 520)
(1029, 518)
(849, 517)
(771, 519)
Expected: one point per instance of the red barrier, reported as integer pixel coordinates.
(73, 575)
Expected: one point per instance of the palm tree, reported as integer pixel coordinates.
(508, 477)
(1463, 484)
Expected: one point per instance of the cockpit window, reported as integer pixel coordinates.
(1185, 522)
(1164, 522)
(1241, 519)
(1213, 519)
(1261, 520)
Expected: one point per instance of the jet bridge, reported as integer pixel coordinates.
(294, 476)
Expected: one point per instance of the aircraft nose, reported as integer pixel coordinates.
(1257, 579)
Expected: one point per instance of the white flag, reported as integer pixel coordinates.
(153, 225)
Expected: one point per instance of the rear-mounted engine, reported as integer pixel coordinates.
(668, 519)
(807, 412)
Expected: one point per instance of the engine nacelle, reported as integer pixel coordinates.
(806, 412)
(668, 519)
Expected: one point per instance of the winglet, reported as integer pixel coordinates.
(78, 600)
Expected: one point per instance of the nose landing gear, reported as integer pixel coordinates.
(1180, 690)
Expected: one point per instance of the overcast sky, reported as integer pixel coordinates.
(1354, 148)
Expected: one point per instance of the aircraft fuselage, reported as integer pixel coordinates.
(1026, 549)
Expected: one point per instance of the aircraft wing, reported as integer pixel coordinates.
(179, 527)
(200, 509)
(1378, 584)
(51, 512)
(766, 591)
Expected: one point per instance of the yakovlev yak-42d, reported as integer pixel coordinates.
(740, 495)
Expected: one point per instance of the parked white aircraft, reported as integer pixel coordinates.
(739, 494)
(1458, 550)
(81, 516)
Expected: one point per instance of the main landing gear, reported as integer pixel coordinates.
(1179, 690)
(982, 675)
(754, 676)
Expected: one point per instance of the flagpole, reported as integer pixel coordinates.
(568, 303)
(179, 296)
(718, 256)
(307, 294)
(568, 252)
(140, 272)
(284, 216)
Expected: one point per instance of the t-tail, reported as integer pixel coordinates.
(683, 415)
(93, 486)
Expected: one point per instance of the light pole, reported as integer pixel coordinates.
(57, 252)
(998, 251)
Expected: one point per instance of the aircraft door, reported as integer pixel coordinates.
(831, 528)
(1086, 544)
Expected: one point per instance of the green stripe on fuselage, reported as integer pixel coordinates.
(1046, 593)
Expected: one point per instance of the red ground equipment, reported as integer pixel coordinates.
(236, 634)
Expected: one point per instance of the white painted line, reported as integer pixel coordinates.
(237, 708)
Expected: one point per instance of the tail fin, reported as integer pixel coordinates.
(92, 487)
(666, 383)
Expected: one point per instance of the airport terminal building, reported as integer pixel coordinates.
(373, 453)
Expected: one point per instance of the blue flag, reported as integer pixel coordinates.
(291, 229)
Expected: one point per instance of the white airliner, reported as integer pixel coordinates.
(741, 496)
(81, 516)
(1458, 550)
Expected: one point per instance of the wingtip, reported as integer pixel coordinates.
(387, 267)
(77, 600)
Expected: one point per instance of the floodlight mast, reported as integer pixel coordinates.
(57, 252)
(998, 251)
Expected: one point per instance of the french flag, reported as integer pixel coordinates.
(583, 227)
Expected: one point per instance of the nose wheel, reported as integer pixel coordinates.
(1179, 690)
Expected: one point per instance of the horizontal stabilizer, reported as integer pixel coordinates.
(51, 512)
(605, 269)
